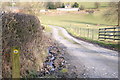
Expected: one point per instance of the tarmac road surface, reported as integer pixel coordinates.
(90, 60)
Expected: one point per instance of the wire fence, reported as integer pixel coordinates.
(101, 34)
(88, 33)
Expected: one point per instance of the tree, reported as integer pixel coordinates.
(97, 5)
(81, 7)
(75, 5)
(58, 4)
(119, 13)
(111, 15)
(29, 8)
(53, 5)
(63, 5)
(50, 5)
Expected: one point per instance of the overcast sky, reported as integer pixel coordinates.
(59, 0)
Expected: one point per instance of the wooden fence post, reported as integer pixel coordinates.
(92, 34)
(114, 33)
(98, 32)
(15, 62)
(88, 33)
(85, 33)
(79, 31)
(104, 34)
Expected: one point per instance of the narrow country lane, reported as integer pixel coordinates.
(91, 61)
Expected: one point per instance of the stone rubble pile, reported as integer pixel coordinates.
(54, 62)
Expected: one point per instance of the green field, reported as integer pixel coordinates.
(73, 21)
(79, 24)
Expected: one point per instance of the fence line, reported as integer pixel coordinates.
(109, 34)
(102, 34)
(86, 32)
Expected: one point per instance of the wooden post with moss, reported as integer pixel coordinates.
(15, 62)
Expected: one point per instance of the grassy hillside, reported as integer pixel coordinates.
(74, 21)
(77, 19)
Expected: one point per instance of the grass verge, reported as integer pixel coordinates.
(47, 28)
(112, 46)
(61, 34)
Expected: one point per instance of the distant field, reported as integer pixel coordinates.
(73, 22)
(79, 19)
(80, 24)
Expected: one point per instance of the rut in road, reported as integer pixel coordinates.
(91, 61)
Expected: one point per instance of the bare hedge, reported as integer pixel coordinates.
(25, 32)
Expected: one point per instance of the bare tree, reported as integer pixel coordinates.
(111, 14)
(119, 13)
(97, 5)
(30, 8)
(82, 7)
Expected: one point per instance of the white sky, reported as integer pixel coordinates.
(59, 0)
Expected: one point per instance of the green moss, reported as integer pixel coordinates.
(47, 28)
(64, 70)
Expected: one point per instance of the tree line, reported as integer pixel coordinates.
(54, 5)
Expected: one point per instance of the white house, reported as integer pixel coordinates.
(43, 10)
(67, 8)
